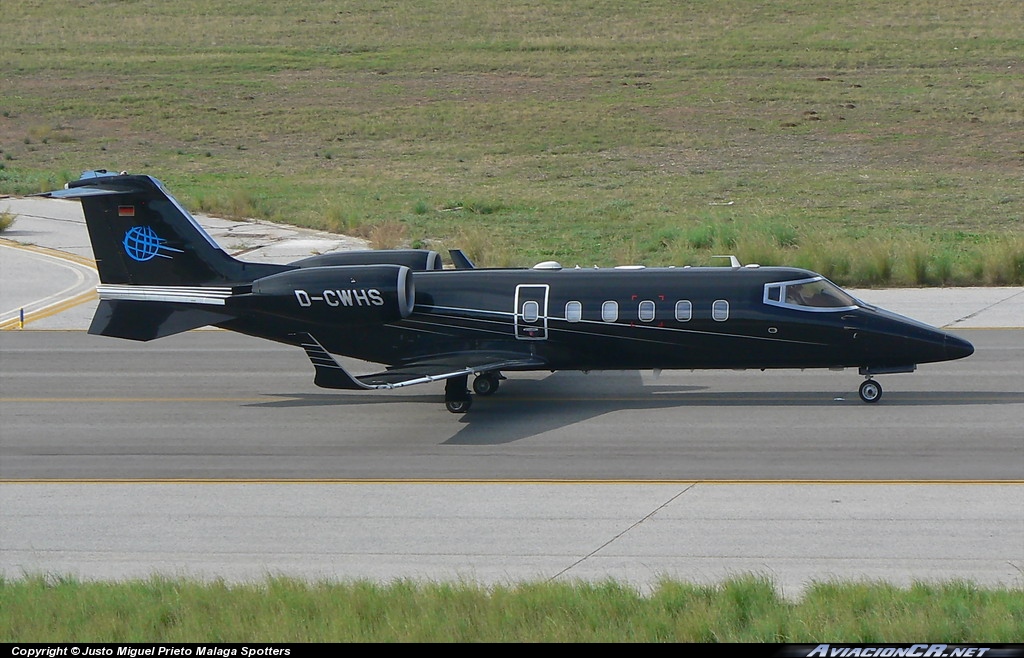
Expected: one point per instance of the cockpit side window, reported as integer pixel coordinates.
(815, 294)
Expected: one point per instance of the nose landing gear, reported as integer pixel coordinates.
(870, 391)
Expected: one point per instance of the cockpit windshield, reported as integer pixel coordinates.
(816, 294)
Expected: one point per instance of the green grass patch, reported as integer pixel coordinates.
(742, 609)
(801, 132)
(6, 220)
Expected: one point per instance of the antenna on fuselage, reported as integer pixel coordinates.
(460, 260)
(733, 261)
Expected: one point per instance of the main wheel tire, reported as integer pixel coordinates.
(486, 384)
(458, 406)
(870, 391)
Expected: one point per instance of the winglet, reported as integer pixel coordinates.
(461, 260)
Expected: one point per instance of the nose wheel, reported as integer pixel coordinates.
(870, 391)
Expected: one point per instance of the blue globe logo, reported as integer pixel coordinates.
(141, 243)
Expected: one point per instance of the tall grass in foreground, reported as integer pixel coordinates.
(743, 609)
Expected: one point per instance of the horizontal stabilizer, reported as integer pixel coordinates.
(79, 193)
(139, 320)
(330, 374)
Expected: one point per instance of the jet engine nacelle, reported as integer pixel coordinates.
(414, 259)
(346, 294)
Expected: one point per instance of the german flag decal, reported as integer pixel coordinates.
(126, 211)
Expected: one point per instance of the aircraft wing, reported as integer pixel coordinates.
(330, 373)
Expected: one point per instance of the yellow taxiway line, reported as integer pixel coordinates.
(56, 307)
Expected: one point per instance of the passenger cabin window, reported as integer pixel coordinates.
(684, 310)
(531, 311)
(720, 310)
(646, 311)
(815, 294)
(610, 311)
(573, 311)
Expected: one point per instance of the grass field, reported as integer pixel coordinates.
(744, 609)
(878, 143)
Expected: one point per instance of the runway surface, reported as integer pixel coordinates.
(213, 455)
(212, 404)
(503, 533)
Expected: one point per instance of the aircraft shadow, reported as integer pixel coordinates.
(515, 418)
(526, 408)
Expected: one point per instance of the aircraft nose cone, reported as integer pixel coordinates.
(957, 348)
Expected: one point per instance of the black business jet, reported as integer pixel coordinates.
(162, 274)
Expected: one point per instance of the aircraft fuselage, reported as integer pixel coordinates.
(162, 274)
(619, 318)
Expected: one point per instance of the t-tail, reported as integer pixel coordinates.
(148, 248)
(142, 236)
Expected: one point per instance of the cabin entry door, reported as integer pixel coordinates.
(531, 312)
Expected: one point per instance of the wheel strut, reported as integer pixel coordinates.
(456, 396)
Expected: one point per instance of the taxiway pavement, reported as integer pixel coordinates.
(916, 488)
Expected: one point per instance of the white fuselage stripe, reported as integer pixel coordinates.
(569, 327)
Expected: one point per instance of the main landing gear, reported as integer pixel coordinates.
(870, 391)
(457, 398)
(487, 383)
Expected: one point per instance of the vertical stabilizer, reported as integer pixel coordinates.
(141, 235)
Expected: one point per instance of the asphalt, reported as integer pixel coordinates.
(492, 532)
(502, 534)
